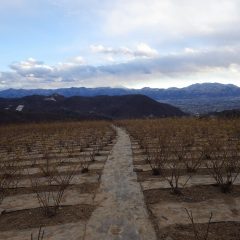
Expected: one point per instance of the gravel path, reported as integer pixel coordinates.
(121, 211)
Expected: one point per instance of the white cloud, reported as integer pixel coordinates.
(142, 50)
(72, 62)
(100, 49)
(191, 50)
(171, 17)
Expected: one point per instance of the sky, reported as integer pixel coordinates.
(118, 43)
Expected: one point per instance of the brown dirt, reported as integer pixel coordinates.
(138, 152)
(217, 231)
(52, 163)
(144, 176)
(34, 218)
(191, 194)
(139, 162)
(78, 172)
(82, 188)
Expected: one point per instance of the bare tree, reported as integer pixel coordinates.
(56, 184)
(40, 235)
(8, 177)
(175, 166)
(224, 163)
(197, 235)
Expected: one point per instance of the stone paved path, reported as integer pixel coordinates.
(121, 211)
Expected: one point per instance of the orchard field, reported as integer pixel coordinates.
(189, 173)
(49, 177)
(150, 179)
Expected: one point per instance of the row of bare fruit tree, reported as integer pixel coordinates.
(49, 156)
(176, 149)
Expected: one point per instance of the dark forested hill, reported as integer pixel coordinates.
(57, 107)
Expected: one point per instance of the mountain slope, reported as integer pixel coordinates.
(197, 98)
(199, 90)
(57, 107)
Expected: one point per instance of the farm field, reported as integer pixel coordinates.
(49, 176)
(168, 179)
(189, 173)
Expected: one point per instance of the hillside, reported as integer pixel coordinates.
(57, 107)
(197, 98)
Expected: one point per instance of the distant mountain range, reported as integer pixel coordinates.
(38, 108)
(197, 98)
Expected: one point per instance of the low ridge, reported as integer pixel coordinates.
(57, 107)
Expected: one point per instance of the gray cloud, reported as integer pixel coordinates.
(35, 73)
(190, 61)
(32, 68)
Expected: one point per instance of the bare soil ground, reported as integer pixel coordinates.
(218, 231)
(33, 218)
(145, 175)
(82, 188)
(191, 194)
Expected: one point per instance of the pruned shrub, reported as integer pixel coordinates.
(40, 235)
(197, 234)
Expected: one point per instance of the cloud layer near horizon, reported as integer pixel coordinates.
(162, 68)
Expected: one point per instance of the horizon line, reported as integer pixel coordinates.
(121, 87)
